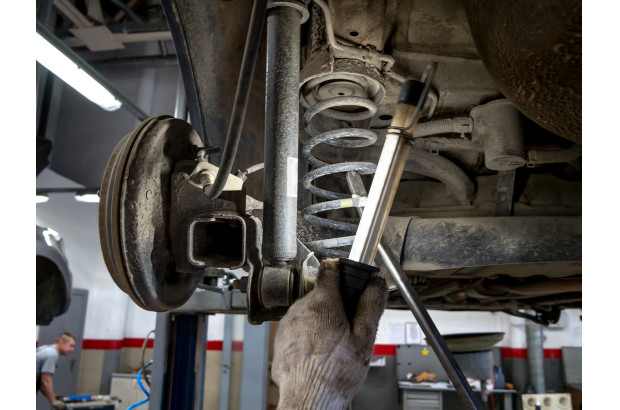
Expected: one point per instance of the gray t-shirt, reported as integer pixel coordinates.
(47, 356)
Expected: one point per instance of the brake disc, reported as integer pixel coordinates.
(134, 213)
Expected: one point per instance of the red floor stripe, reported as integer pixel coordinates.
(102, 344)
(137, 342)
(521, 353)
(384, 350)
(105, 344)
(237, 346)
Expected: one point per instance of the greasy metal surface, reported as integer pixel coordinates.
(217, 241)
(109, 211)
(53, 277)
(539, 68)
(366, 22)
(322, 78)
(457, 182)
(498, 125)
(281, 134)
(505, 192)
(278, 286)
(242, 95)
(459, 242)
(209, 45)
(305, 265)
(439, 27)
(221, 239)
(477, 366)
(536, 287)
(204, 301)
(134, 214)
(472, 342)
(51, 291)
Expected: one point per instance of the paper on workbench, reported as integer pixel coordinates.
(397, 333)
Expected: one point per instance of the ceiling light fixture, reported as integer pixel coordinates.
(60, 59)
(71, 73)
(89, 195)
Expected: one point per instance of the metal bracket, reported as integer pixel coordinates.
(206, 232)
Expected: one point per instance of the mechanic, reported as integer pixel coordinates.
(47, 356)
(320, 359)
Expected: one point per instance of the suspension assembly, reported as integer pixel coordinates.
(168, 214)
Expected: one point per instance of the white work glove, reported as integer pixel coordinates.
(320, 360)
(59, 405)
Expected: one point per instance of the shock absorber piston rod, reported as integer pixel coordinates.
(281, 130)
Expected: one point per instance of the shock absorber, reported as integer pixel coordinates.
(345, 108)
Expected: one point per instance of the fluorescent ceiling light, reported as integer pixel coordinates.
(90, 198)
(61, 65)
(90, 195)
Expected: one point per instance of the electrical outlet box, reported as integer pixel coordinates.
(550, 401)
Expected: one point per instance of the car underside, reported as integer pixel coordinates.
(486, 215)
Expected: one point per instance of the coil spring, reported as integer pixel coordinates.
(342, 137)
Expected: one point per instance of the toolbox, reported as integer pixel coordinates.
(88, 402)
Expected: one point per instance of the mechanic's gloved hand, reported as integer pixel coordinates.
(59, 405)
(320, 360)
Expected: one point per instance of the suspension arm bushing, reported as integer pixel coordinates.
(278, 287)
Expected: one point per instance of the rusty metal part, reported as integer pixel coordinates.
(275, 291)
(458, 185)
(134, 212)
(458, 242)
(209, 238)
(278, 286)
(298, 5)
(472, 342)
(366, 22)
(207, 232)
(235, 124)
(532, 50)
(542, 155)
(281, 132)
(241, 284)
(440, 290)
(537, 288)
(201, 30)
(322, 78)
(368, 55)
(504, 194)
(498, 125)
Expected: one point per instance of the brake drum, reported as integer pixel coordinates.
(134, 213)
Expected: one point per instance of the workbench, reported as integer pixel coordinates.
(416, 396)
